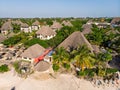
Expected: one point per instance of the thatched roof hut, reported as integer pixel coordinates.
(42, 66)
(24, 25)
(7, 26)
(46, 31)
(74, 40)
(18, 22)
(36, 23)
(87, 28)
(56, 25)
(114, 20)
(33, 51)
(67, 23)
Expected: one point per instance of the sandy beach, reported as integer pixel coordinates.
(43, 81)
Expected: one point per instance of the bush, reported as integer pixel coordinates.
(4, 68)
(16, 66)
(81, 73)
(111, 70)
(67, 66)
(87, 72)
(55, 67)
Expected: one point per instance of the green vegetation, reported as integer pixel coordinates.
(61, 59)
(4, 68)
(29, 21)
(55, 67)
(16, 28)
(16, 65)
(89, 64)
(83, 58)
(36, 41)
(19, 38)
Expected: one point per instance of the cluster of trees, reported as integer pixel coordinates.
(19, 38)
(29, 21)
(85, 62)
(16, 28)
(100, 37)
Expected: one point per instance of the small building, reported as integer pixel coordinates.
(25, 28)
(74, 40)
(90, 22)
(56, 26)
(45, 33)
(42, 66)
(67, 23)
(18, 22)
(115, 22)
(32, 52)
(35, 25)
(87, 28)
(6, 28)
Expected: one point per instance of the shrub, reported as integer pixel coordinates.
(4, 68)
(55, 67)
(16, 66)
(67, 66)
(111, 70)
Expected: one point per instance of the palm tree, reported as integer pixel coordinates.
(101, 60)
(83, 58)
(60, 57)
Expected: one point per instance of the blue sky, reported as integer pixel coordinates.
(59, 8)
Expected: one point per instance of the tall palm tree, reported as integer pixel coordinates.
(60, 57)
(83, 58)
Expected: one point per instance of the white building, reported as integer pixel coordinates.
(35, 25)
(45, 33)
(25, 28)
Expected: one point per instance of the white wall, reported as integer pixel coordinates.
(45, 38)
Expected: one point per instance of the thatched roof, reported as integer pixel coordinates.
(46, 31)
(87, 28)
(18, 22)
(36, 23)
(56, 25)
(42, 66)
(113, 32)
(90, 21)
(24, 25)
(7, 26)
(33, 51)
(114, 20)
(74, 40)
(2, 38)
(67, 23)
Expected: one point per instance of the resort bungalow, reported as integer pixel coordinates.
(25, 28)
(45, 33)
(35, 25)
(56, 26)
(18, 22)
(66, 23)
(6, 28)
(115, 22)
(87, 28)
(74, 40)
(32, 52)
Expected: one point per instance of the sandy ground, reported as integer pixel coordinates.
(43, 81)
